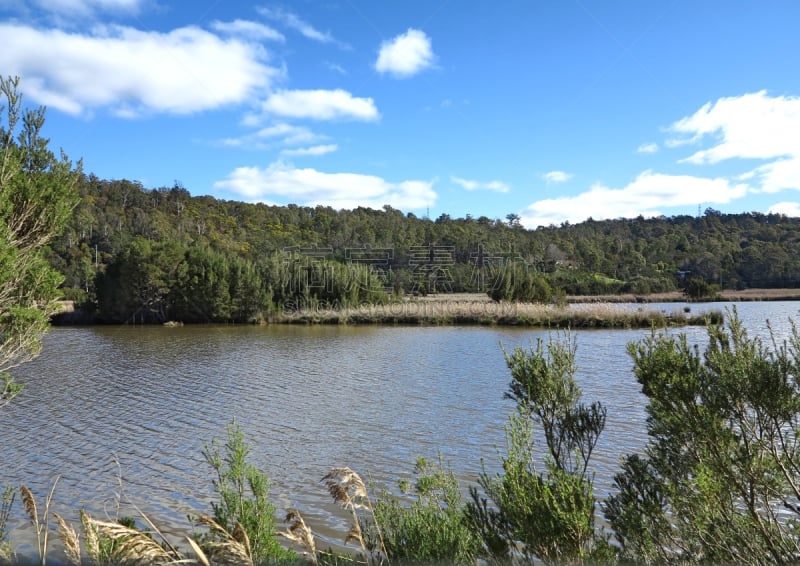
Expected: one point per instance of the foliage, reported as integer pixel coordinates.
(519, 283)
(37, 195)
(697, 288)
(719, 479)
(544, 515)
(244, 497)
(158, 282)
(433, 527)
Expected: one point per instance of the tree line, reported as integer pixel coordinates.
(114, 219)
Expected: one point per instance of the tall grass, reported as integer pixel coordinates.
(445, 312)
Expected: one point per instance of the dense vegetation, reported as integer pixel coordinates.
(165, 237)
(36, 198)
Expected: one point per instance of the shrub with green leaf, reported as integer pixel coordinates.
(719, 481)
(542, 504)
(244, 497)
(432, 526)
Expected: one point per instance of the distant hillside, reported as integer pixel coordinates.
(413, 254)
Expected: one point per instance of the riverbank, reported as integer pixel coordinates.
(479, 309)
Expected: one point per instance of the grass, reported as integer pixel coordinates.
(480, 310)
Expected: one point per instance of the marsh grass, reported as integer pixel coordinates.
(464, 311)
(349, 490)
(299, 533)
(41, 523)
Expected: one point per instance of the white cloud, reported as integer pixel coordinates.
(275, 134)
(321, 105)
(293, 21)
(557, 177)
(130, 71)
(79, 8)
(751, 126)
(311, 151)
(405, 55)
(646, 195)
(648, 148)
(785, 208)
(311, 187)
(748, 126)
(469, 185)
(336, 68)
(248, 29)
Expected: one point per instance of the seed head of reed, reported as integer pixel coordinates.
(347, 488)
(133, 546)
(72, 543)
(231, 548)
(299, 533)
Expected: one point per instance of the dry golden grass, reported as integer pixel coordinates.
(234, 548)
(71, 540)
(298, 532)
(133, 547)
(479, 309)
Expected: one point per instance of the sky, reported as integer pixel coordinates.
(553, 110)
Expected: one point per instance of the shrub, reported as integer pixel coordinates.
(433, 527)
(718, 481)
(244, 497)
(546, 515)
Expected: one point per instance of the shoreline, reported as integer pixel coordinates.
(580, 311)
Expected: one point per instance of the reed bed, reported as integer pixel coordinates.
(486, 312)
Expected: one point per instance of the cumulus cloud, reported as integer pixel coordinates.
(405, 55)
(749, 126)
(311, 151)
(646, 195)
(469, 185)
(246, 28)
(785, 208)
(557, 177)
(131, 71)
(648, 148)
(321, 105)
(309, 187)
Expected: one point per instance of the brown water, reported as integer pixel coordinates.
(121, 414)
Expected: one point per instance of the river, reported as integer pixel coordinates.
(120, 415)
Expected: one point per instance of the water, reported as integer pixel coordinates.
(120, 415)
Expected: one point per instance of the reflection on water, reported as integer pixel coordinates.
(123, 413)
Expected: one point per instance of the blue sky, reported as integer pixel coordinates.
(554, 110)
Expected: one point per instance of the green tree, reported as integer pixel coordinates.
(719, 481)
(37, 195)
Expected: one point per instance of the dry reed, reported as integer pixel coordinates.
(71, 540)
(349, 490)
(41, 524)
(133, 546)
(234, 548)
(298, 532)
(485, 312)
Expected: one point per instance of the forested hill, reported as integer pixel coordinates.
(454, 254)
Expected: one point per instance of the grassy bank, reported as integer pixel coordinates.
(727, 295)
(479, 310)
